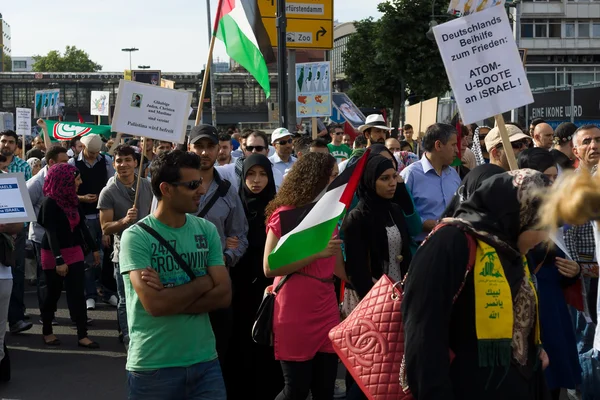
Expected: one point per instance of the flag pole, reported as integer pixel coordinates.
(208, 64)
(140, 173)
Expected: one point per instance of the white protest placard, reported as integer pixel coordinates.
(15, 203)
(313, 90)
(23, 121)
(483, 64)
(99, 103)
(151, 111)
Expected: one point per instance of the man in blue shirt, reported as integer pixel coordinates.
(431, 180)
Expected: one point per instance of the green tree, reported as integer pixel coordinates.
(6, 62)
(392, 55)
(73, 60)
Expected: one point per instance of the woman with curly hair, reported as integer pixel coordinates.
(306, 307)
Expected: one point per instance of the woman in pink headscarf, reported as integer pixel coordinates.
(63, 246)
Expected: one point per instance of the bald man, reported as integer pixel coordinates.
(543, 135)
(392, 144)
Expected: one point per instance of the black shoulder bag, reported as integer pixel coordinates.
(221, 191)
(184, 266)
(262, 330)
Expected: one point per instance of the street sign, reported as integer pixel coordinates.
(303, 33)
(299, 9)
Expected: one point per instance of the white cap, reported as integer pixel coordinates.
(278, 134)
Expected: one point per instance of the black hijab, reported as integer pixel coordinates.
(376, 212)
(255, 204)
(537, 159)
(469, 184)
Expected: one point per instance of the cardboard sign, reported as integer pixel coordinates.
(313, 90)
(15, 203)
(99, 103)
(151, 111)
(483, 64)
(23, 121)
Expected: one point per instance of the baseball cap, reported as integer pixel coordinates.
(279, 133)
(204, 131)
(493, 138)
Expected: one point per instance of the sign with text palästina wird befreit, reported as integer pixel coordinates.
(483, 64)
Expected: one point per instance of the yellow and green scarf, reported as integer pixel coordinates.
(494, 317)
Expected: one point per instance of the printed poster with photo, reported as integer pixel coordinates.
(313, 90)
(348, 109)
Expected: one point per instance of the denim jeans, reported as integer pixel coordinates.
(16, 309)
(202, 381)
(92, 272)
(121, 308)
(590, 364)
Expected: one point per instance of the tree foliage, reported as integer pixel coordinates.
(393, 54)
(7, 62)
(73, 60)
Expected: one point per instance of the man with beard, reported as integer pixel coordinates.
(16, 310)
(375, 130)
(118, 212)
(221, 205)
(224, 156)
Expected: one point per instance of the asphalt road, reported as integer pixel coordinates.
(67, 372)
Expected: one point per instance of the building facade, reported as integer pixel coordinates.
(5, 38)
(562, 39)
(341, 35)
(240, 99)
(22, 64)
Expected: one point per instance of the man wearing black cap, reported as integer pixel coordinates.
(222, 206)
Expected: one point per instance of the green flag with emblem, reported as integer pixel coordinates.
(59, 130)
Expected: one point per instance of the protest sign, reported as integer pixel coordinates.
(348, 110)
(15, 203)
(484, 68)
(47, 103)
(313, 90)
(99, 103)
(23, 121)
(483, 64)
(151, 111)
(467, 7)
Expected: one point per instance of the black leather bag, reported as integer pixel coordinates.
(262, 330)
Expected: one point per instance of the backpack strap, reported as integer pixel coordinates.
(472, 244)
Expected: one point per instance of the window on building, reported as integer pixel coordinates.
(20, 64)
(527, 28)
(583, 29)
(554, 30)
(541, 29)
(570, 29)
(596, 29)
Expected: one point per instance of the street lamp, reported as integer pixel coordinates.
(143, 66)
(130, 50)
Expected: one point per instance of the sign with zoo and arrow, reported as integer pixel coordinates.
(309, 23)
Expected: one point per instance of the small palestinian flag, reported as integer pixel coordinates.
(59, 130)
(307, 230)
(240, 27)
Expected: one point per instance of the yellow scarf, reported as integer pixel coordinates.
(494, 316)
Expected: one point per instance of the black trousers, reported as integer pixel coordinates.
(75, 286)
(316, 375)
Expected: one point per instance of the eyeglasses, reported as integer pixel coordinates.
(284, 142)
(257, 148)
(191, 185)
(518, 145)
(338, 133)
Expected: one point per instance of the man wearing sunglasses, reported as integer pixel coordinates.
(282, 160)
(339, 150)
(493, 142)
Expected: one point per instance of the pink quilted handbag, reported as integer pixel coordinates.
(370, 342)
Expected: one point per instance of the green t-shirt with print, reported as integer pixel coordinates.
(176, 340)
(341, 152)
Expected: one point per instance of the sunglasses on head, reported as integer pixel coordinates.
(191, 185)
(257, 148)
(282, 142)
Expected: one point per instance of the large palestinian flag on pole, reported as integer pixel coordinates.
(59, 130)
(313, 226)
(239, 26)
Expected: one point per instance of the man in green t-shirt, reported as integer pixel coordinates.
(340, 151)
(172, 350)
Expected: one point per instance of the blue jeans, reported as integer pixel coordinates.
(92, 272)
(16, 309)
(202, 381)
(121, 307)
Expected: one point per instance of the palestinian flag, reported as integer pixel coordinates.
(59, 130)
(307, 231)
(239, 26)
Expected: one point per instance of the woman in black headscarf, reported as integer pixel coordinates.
(472, 181)
(554, 273)
(253, 361)
(483, 343)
